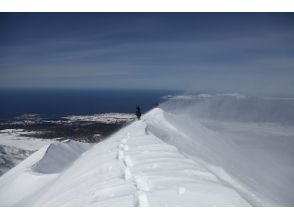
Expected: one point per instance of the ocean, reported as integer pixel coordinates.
(59, 103)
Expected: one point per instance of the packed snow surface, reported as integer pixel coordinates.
(11, 156)
(163, 159)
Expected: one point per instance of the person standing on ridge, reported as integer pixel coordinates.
(138, 112)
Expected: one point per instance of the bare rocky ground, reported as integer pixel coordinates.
(84, 131)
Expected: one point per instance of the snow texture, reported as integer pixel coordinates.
(15, 148)
(60, 155)
(161, 160)
(11, 156)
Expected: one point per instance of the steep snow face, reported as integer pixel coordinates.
(10, 156)
(133, 167)
(248, 142)
(59, 155)
(36, 172)
(15, 148)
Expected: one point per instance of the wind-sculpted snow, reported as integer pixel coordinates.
(15, 148)
(59, 155)
(10, 156)
(164, 159)
(131, 168)
(250, 140)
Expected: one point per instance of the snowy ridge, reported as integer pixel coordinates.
(131, 168)
(162, 160)
(59, 155)
(11, 156)
(14, 148)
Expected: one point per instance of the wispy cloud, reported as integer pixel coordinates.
(148, 52)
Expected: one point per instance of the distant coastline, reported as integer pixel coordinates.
(55, 103)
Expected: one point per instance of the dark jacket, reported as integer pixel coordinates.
(138, 112)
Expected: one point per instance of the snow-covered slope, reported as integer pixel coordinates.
(14, 148)
(133, 167)
(162, 160)
(247, 141)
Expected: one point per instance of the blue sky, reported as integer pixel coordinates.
(242, 52)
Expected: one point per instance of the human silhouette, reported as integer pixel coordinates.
(138, 112)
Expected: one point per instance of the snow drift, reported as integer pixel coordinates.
(249, 139)
(179, 155)
(60, 155)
